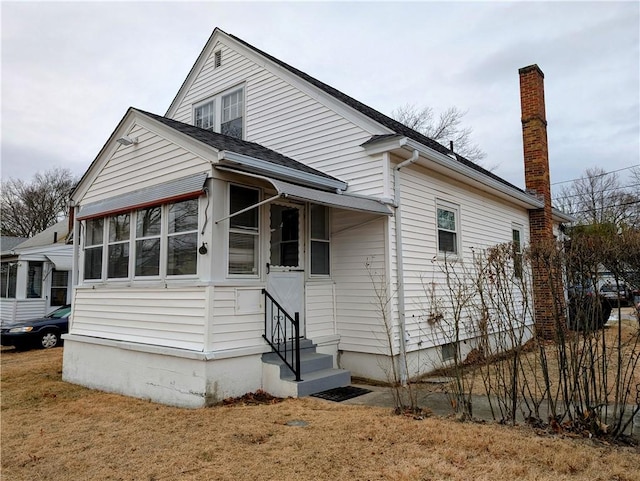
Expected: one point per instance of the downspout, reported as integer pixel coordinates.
(400, 265)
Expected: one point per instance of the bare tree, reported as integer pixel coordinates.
(31, 207)
(444, 128)
(600, 197)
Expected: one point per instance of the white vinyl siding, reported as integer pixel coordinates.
(173, 317)
(484, 221)
(283, 118)
(235, 326)
(154, 160)
(357, 251)
(320, 309)
(21, 309)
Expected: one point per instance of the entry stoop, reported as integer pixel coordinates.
(317, 373)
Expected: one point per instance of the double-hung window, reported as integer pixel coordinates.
(59, 286)
(223, 113)
(93, 241)
(182, 247)
(148, 234)
(34, 280)
(319, 240)
(447, 219)
(118, 262)
(243, 231)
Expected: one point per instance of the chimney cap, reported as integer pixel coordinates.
(531, 68)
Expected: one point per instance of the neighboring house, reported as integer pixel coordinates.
(260, 177)
(36, 273)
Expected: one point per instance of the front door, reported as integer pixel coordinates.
(285, 269)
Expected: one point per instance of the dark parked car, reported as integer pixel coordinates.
(44, 332)
(588, 311)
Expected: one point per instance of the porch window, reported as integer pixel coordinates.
(93, 241)
(319, 240)
(163, 239)
(8, 273)
(182, 250)
(516, 235)
(447, 217)
(223, 113)
(148, 230)
(243, 231)
(59, 286)
(34, 280)
(118, 264)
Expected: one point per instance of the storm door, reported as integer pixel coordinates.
(285, 269)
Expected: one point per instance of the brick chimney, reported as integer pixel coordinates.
(548, 295)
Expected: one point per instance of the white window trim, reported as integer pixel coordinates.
(455, 208)
(259, 234)
(164, 237)
(520, 229)
(217, 108)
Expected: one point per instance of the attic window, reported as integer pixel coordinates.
(217, 59)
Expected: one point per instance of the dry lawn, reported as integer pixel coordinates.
(53, 430)
(532, 365)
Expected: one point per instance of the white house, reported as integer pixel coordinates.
(35, 274)
(263, 196)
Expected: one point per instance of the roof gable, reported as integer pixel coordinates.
(386, 126)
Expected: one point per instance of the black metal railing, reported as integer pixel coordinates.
(282, 332)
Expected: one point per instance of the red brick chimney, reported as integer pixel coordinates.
(548, 296)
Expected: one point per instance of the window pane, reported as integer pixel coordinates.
(233, 128)
(204, 116)
(243, 253)
(119, 227)
(34, 280)
(319, 222)
(183, 216)
(446, 219)
(447, 241)
(148, 222)
(232, 113)
(182, 254)
(9, 273)
(285, 234)
(319, 258)
(241, 198)
(59, 283)
(148, 257)
(93, 263)
(118, 265)
(94, 232)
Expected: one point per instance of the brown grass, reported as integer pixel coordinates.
(532, 365)
(53, 430)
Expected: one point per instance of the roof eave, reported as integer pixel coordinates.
(258, 166)
(451, 165)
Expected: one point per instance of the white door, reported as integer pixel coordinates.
(285, 269)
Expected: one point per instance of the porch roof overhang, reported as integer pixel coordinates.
(308, 194)
(179, 189)
(61, 263)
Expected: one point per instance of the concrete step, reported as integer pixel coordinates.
(319, 381)
(310, 361)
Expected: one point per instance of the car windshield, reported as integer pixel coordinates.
(59, 313)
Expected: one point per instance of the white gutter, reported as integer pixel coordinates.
(400, 265)
(453, 165)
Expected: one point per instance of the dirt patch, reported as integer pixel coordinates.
(252, 399)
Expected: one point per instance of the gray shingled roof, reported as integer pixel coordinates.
(379, 117)
(7, 242)
(232, 144)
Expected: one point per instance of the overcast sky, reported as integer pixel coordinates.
(70, 70)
